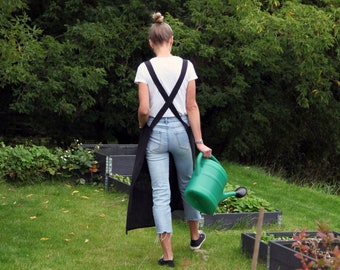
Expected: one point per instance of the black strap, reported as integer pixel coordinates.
(168, 99)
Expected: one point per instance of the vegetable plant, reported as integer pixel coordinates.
(249, 203)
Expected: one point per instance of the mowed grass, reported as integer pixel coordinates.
(64, 226)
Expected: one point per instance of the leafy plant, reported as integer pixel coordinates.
(266, 237)
(249, 203)
(122, 178)
(76, 160)
(320, 248)
(27, 163)
(32, 163)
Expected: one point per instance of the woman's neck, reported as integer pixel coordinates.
(163, 50)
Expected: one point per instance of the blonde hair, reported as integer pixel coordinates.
(159, 31)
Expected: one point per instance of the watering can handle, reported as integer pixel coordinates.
(199, 160)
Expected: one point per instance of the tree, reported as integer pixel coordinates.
(269, 82)
(268, 85)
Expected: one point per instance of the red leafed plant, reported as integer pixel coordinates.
(321, 248)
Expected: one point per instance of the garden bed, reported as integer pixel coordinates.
(114, 159)
(119, 185)
(282, 256)
(277, 252)
(244, 219)
(248, 242)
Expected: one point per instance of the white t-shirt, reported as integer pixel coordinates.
(168, 70)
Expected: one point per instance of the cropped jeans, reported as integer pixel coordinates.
(169, 136)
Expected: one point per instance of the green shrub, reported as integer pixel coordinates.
(27, 163)
(32, 163)
(76, 160)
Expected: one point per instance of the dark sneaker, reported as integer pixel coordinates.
(196, 244)
(169, 263)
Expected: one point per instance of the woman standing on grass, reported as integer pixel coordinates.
(169, 137)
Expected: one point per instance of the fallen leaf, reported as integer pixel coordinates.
(33, 217)
(68, 240)
(67, 185)
(29, 195)
(84, 197)
(185, 262)
(82, 181)
(102, 215)
(44, 238)
(66, 211)
(72, 233)
(75, 192)
(86, 241)
(47, 201)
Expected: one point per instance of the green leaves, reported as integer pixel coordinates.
(18, 46)
(29, 164)
(249, 203)
(268, 73)
(26, 164)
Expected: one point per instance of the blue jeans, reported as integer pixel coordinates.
(169, 136)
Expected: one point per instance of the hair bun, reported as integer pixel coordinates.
(157, 17)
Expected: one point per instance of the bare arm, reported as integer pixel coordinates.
(143, 109)
(194, 119)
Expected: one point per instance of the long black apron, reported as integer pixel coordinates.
(139, 213)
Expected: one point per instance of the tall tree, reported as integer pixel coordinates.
(268, 72)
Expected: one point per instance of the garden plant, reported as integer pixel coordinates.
(324, 248)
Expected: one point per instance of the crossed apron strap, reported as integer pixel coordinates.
(168, 99)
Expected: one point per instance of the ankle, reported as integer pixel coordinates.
(168, 258)
(195, 236)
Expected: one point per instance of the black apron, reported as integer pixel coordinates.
(139, 213)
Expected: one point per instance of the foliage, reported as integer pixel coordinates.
(31, 163)
(268, 86)
(122, 178)
(76, 158)
(27, 164)
(249, 203)
(264, 105)
(266, 237)
(320, 248)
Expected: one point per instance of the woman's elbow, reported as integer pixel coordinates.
(143, 111)
(192, 107)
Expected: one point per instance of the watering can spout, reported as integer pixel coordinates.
(238, 193)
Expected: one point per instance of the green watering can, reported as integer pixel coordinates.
(205, 189)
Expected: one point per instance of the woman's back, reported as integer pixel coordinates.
(168, 71)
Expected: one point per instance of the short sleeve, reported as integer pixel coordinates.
(141, 74)
(191, 73)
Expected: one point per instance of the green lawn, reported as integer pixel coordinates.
(61, 226)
